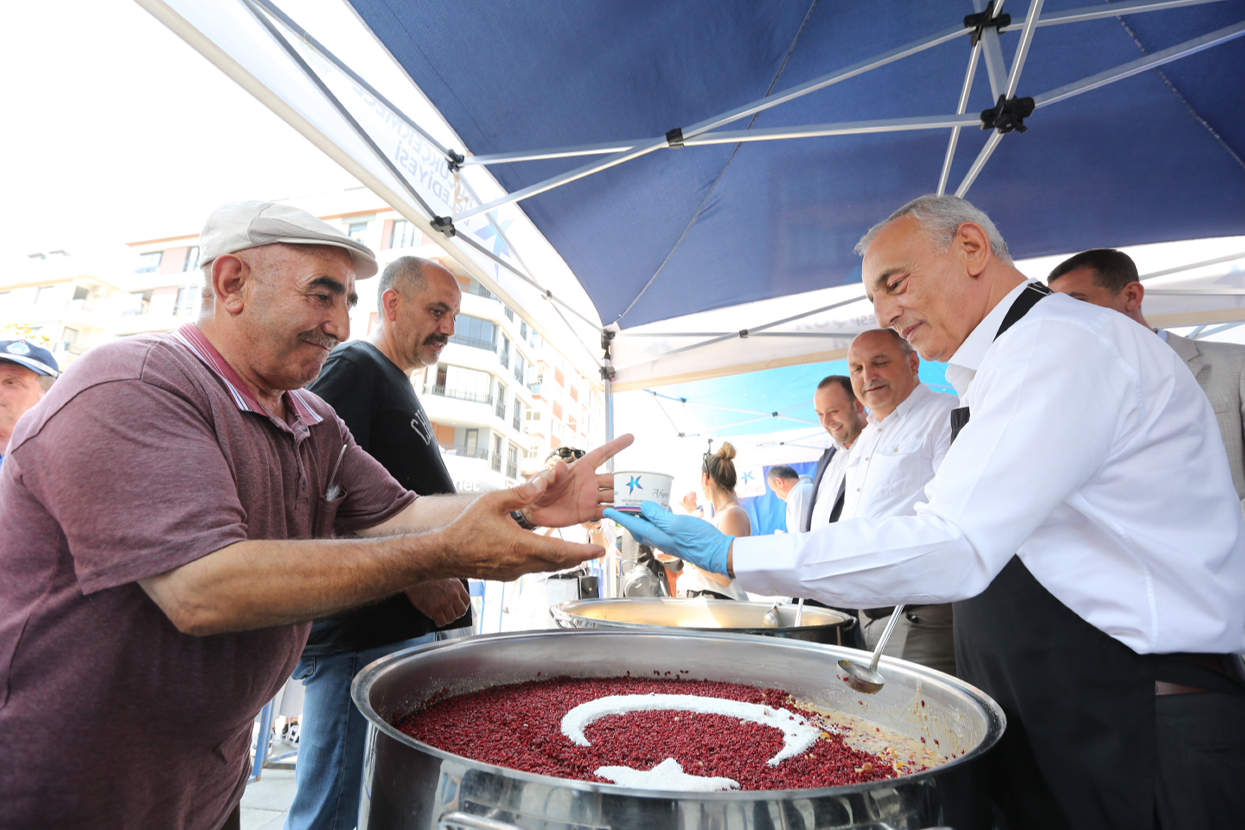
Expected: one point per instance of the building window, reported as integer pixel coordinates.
(192, 259)
(518, 415)
(463, 384)
(136, 303)
(512, 463)
(46, 294)
(499, 408)
(509, 312)
(356, 230)
(520, 367)
(505, 352)
(474, 331)
(149, 262)
(574, 394)
(496, 459)
(187, 301)
(523, 329)
(405, 235)
(69, 337)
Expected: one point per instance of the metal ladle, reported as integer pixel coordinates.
(867, 680)
(772, 618)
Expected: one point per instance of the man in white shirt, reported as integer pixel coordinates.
(1083, 521)
(844, 418)
(1108, 278)
(794, 489)
(908, 434)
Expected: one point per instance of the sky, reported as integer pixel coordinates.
(117, 131)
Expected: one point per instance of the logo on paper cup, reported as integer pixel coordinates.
(631, 489)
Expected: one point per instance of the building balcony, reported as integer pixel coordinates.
(459, 394)
(462, 451)
(474, 343)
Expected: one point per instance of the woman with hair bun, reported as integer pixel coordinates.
(717, 480)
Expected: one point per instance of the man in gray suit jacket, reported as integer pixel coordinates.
(1109, 278)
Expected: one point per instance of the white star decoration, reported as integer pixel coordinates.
(668, 775)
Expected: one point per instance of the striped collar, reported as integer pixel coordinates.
(203, 349)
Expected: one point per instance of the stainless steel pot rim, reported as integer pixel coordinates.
(993, 712)
(567, 610)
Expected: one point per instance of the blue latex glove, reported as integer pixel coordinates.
(687, 537)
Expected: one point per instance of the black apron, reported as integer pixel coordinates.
(1079, 749)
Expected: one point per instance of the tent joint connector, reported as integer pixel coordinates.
(456, 160)
(1007, 115)
(743, 332)
(608, 373)
(986, 20)
(444, 224)
(773, 414)
(674, 138)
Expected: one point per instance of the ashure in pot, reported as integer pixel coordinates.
(408, 784)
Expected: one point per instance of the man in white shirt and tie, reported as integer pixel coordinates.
(908, 434)
(843, 416)
(1083, 521)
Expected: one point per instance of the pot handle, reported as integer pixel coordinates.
(456, 820)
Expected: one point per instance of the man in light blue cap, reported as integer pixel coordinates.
(26, 372)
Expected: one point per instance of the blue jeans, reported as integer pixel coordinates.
(329, 771)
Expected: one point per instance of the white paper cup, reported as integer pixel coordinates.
(632, 488)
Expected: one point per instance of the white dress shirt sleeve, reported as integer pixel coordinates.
(1062, 433)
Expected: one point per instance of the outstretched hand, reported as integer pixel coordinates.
(690, 538)
(574, 492)
(484, 542)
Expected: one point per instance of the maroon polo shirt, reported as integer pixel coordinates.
(147, 454)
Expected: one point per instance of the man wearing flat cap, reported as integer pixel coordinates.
(169, 513)
(27, 371)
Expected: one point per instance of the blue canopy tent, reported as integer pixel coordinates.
(689, 178)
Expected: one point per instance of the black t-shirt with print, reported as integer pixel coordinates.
(378, 403)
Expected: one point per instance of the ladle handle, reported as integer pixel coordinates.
(886, 635)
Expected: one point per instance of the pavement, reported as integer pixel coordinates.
(266, 802)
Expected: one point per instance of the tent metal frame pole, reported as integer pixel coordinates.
(1022, 50)
(1127, 70)
(1182, 268)
(751, 333)
(267, 22)
(882, 125)
(1109, 10)
(996, 67)
(1013, 81)
(735, 334)
(733, 115)
(969, 77)
(1052, 19)
(979, 163)
(1216, 330)
(324, 52)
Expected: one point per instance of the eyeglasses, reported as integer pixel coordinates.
(568, 453)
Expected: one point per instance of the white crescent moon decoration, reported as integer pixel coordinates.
(798, 735)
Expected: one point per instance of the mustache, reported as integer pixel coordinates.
(439, 339)
(318, 338)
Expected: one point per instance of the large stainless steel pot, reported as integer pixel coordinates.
(408, 784)
(817, 625)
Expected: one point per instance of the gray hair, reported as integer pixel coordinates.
(407, 275)
(941, 217)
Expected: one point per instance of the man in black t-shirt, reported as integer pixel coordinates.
(368, 383)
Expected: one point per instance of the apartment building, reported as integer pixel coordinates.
(500, 397)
